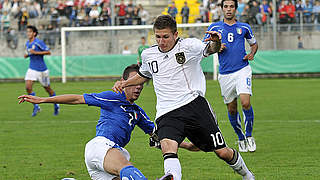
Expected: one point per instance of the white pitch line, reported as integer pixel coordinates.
(88, 122)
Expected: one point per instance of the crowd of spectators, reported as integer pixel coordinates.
(75, 12)
(261, 11)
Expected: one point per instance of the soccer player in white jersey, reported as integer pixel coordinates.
(35, 50)
(182, 110)
(235, 75)
(105, 155)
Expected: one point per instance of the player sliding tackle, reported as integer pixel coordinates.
(179, 84)
(105, 155)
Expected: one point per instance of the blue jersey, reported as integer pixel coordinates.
(36, 61)
(118, 117)
(231, 58)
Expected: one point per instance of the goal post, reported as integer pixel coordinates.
(115, 37)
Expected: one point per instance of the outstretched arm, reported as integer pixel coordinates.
(135, 80)
(62, 99)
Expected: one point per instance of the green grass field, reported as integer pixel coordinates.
(47, 147)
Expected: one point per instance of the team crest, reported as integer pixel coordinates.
(180, 58)
(33, 46)
(239, 30)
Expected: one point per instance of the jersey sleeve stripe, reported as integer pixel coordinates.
(106, 99)
(142, 75)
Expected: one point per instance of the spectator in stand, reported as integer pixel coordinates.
(73, 16)
(307, 11)
(299, 11)
(215, 12)
(45, 8)
(254, 14)
(54, 17)
(245, 14)
(185, 13)
(68, 8)
(60, 7)
(203, 13)
(6, 6)
(23, 17)
(291, 10)
(94, 15)
(265, 11)
(80, 16)
(129, 15)
(121, 12)
(136, 15)
(32, 9)
(316, 13)
(15, 8)
(86, 21)
(144, 15)
(104, 16)
(5, 21)
(241, 6)
(283, 17)
(172, 10)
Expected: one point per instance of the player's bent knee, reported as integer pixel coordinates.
(225, 154)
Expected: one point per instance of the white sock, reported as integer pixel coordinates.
(240, 167)
(172, 165)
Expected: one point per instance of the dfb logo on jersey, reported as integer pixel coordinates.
(180, 57)
(239, 30)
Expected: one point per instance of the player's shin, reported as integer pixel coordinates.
(248, 119)
(238, 165)
(235, 121)
(130, 172)
(172, 165)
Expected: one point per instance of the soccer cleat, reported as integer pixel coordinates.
(56, 109)
(251, 144)
(35, 111)
(167, 176)
(248, 176)
(243, 146)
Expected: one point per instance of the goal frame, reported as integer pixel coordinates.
(107, 28)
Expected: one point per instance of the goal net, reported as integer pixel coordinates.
(98, 50)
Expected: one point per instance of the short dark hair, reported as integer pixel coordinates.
(129, 69)
(165, 21)
(34, 29)
(235, 3)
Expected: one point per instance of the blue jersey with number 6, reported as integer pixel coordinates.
(118, 117)
(231, 58)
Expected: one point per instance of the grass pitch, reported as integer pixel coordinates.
(47, 147)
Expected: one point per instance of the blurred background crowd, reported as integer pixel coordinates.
(50, 15)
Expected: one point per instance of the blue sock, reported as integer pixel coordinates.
(235, 121)
(54, 94)
(55, 105)
(248, 120)
(130, 172)
(33, 94)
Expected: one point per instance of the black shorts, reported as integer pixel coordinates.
(196, 121)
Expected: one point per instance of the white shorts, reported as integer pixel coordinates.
(41, 76)
(236, 83)
(94, 154)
